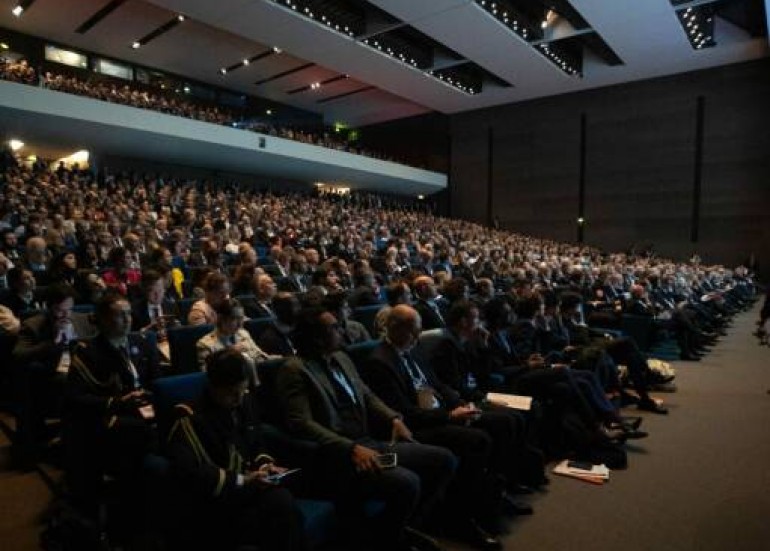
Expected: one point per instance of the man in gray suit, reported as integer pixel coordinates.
(325, 401)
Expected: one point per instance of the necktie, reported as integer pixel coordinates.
(339, 377)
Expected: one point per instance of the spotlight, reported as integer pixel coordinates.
(180, 18)
(276, 50)
(16, 144)
(223, 71)
(269, 112)
(136, 45)
(4, 46)
(17, 11)
(245, 62)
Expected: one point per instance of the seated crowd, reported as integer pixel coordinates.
(137, 95)
(366, 338)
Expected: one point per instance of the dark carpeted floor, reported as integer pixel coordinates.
(701, 481)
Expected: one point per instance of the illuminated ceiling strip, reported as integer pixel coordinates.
(99, 15)
(251, 60)
(285, 73)
(346, 94)
(322, 83)
(163, 29)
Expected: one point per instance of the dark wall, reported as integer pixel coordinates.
(640, 165)
(422, 140)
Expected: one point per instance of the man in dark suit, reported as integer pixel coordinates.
(326, 402)
(366, 291)
(438, 416)
(20, 296)
(41, 359)
(261, 306)
(151, 311)
(426, 293)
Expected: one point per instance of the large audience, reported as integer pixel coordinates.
(382, 329)
(164, 101)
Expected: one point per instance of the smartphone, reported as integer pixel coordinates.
(276, 478)
(582, 465)
(387, 460)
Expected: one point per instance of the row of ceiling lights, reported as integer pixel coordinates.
(401, 57)
(521, 30)
(698, 37)
(136, 44)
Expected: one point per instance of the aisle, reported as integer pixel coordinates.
(701, 481)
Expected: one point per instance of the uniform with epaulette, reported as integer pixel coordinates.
(106, 433)
(211, 448)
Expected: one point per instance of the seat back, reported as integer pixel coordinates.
(361, 351)
(427, 343)
(181, 344)
(167, 392)
(638, 328)
(256, 326)
(366, 315)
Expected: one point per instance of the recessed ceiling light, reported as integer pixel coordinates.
(180, 18)
(245, 62)
(223, 71)
(136, 45)
(17, 11)
(276, 50)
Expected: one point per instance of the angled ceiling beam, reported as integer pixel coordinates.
(285, 73)
(346, 94)
(561, 37)
(438, 66)
(92, 21)
(382, 30)
(163, 29)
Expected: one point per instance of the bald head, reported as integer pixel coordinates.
(403, 326)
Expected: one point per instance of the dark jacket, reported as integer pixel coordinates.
(386, 376)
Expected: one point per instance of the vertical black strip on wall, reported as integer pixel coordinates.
(490, 164)
(582, 180)
(448, 210)
(700, 113)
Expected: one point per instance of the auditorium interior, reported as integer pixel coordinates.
(384, 274)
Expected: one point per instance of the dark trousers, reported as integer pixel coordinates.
(407, 491)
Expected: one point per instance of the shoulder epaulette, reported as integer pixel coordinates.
(183, 410)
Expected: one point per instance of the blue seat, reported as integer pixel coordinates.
(181, 343)
(256, 326)
(638, 328)
(361, 351)
(84, 308)
(366, 315)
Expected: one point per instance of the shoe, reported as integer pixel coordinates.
(652, 406)
(511, 507)
(633, 422)
(520, 489)
(420, 541)
(611, 435)
(479, 538)
(635, 434)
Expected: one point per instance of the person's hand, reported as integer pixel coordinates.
(133, 395)
(401, 432)
(239, 347)
(535, 361)
(365, 459)
(467, 412)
